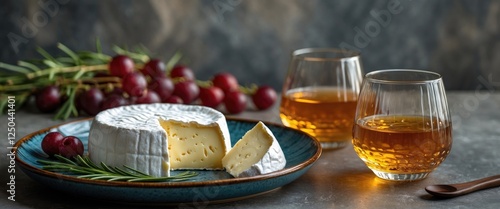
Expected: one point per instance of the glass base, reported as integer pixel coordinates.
(400, 177)
(334, 145)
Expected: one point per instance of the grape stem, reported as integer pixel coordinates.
(61, 81)
(67, 70)
(248, 90)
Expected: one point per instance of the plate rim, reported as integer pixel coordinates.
(218, 182)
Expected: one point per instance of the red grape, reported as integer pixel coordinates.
(180, 71)
(226, 81)
(113, 100)
(48, 99)
(188, 91)
(134, 84)
(50, 143)
(163, 87)
(211, 96)
(91, 100)
(70, 147)
(235, 102)
(264, 97)
(173, 100)
(148, 98)
(121, 65)
(155, 68)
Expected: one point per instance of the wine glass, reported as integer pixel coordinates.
(320, 93)
(402, 128)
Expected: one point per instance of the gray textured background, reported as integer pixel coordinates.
(254, 38)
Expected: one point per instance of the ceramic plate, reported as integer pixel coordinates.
(300, 149)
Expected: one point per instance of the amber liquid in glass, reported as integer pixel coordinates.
(402, 144)
(327, 113)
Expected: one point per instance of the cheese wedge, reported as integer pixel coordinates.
(155, 138)
(257, 152)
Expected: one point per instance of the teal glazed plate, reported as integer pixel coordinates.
(301, 151)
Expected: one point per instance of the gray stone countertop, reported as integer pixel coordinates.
(339, 179)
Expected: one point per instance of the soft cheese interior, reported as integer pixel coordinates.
(156, 138)
(191, 146)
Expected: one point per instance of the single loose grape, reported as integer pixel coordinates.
(188, 91)
(181, 71)
(134, 84)
(211, 96)
(70, 147)
(51, 142)
(264, 97)
(114, 100)
(155, 68)
(235, 102)
(120, 66)
(148, 98)
(164, 87)
(226, 81)
(91, 100)
(48, 99)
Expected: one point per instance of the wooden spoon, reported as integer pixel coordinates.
(454, 190)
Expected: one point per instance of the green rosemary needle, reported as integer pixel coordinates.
(83, 167)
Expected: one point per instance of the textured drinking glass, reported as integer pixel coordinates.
(320, 93)
(402, 127)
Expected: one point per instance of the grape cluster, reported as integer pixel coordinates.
(54, 143)
(151, 83)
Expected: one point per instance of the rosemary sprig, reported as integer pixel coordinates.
(85, 168)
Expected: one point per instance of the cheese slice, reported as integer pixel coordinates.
(257, 152)
(155, 138)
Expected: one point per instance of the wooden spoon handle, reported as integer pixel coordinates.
(484, 183)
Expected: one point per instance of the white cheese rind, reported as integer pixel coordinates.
(257, 152)
(132, 135)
